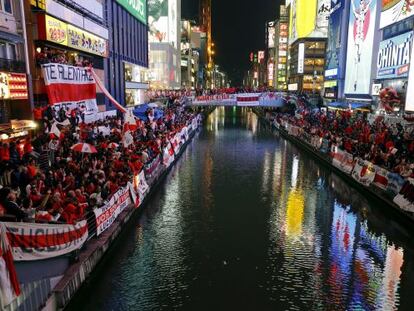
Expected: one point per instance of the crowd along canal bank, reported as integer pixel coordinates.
(381, 185)
(89, 257)
(49, 283)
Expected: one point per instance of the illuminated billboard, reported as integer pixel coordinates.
(309, 18)
(334, 41)
(393, 11)
(271, 35)
(394, 57)
(409, 104)
(163, 19)
(361, 32)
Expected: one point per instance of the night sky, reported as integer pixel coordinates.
(238, 29)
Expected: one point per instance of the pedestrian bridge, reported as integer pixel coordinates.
(268, 99)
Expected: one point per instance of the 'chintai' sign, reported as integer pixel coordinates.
(394, 57)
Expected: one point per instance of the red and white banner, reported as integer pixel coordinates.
(381, 178)
(364, 172)
(70, 85)
(248, 99)
(405, 199)
(342, 160)
(102, 87)
(9, 284)
(107, 214)
(30, 241)
(141, 186)
(168, 155)
(184, 134)
(152, 167)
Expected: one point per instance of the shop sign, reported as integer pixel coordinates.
(13, 86)
(54, 30)
(138, 8)
(394, 57)
(41, 4)
(393, 11)
(301, 57)
(22, 124)
(84, 41)
(329, 84)
(293, 87)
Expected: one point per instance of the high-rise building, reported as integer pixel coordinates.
(189, 55)
(207, 56)
(308, 30)
(164, 18)
(281, 50)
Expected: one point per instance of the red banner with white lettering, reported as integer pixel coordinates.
(31, 241)
(70, 85)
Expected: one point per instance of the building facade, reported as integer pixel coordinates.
(127, 64)
(308, 31)
(67, 32)
(164, 18)
(14, 96)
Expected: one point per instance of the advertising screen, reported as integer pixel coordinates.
(393, 11)
(394, 57)
(302, 19)
(322, 19)
(409, 103)
(158, 20)
(173, 19)
(271, 35)
(334, 40)
(361, 31)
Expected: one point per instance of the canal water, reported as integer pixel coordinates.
(247, 221)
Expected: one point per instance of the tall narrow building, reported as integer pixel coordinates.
(207, 56)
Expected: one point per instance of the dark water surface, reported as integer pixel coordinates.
(246, 221)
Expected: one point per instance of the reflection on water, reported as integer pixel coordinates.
(247, 220)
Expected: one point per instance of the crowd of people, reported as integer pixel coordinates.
(43, 180)
(387, 145)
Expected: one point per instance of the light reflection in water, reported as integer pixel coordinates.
(248, 220)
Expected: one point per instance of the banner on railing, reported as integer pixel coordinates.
(381, 178)
(364, 172)
(176, 143)
(70, 85)
(184, 134)
(405, 198)
(168, 155)
(248, 99)
(316, 142)
(342, 160)
(141, 186)
(395, 183)
(107, 214)
(152, 167)
(325, 146)
(31, 241)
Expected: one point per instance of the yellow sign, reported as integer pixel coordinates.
(41, 4)
(56, 30)
(302, 19)
(331, 83)
(59, 32)
(85, 41)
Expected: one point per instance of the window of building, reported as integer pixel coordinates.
(8, 50)
(6, 6)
